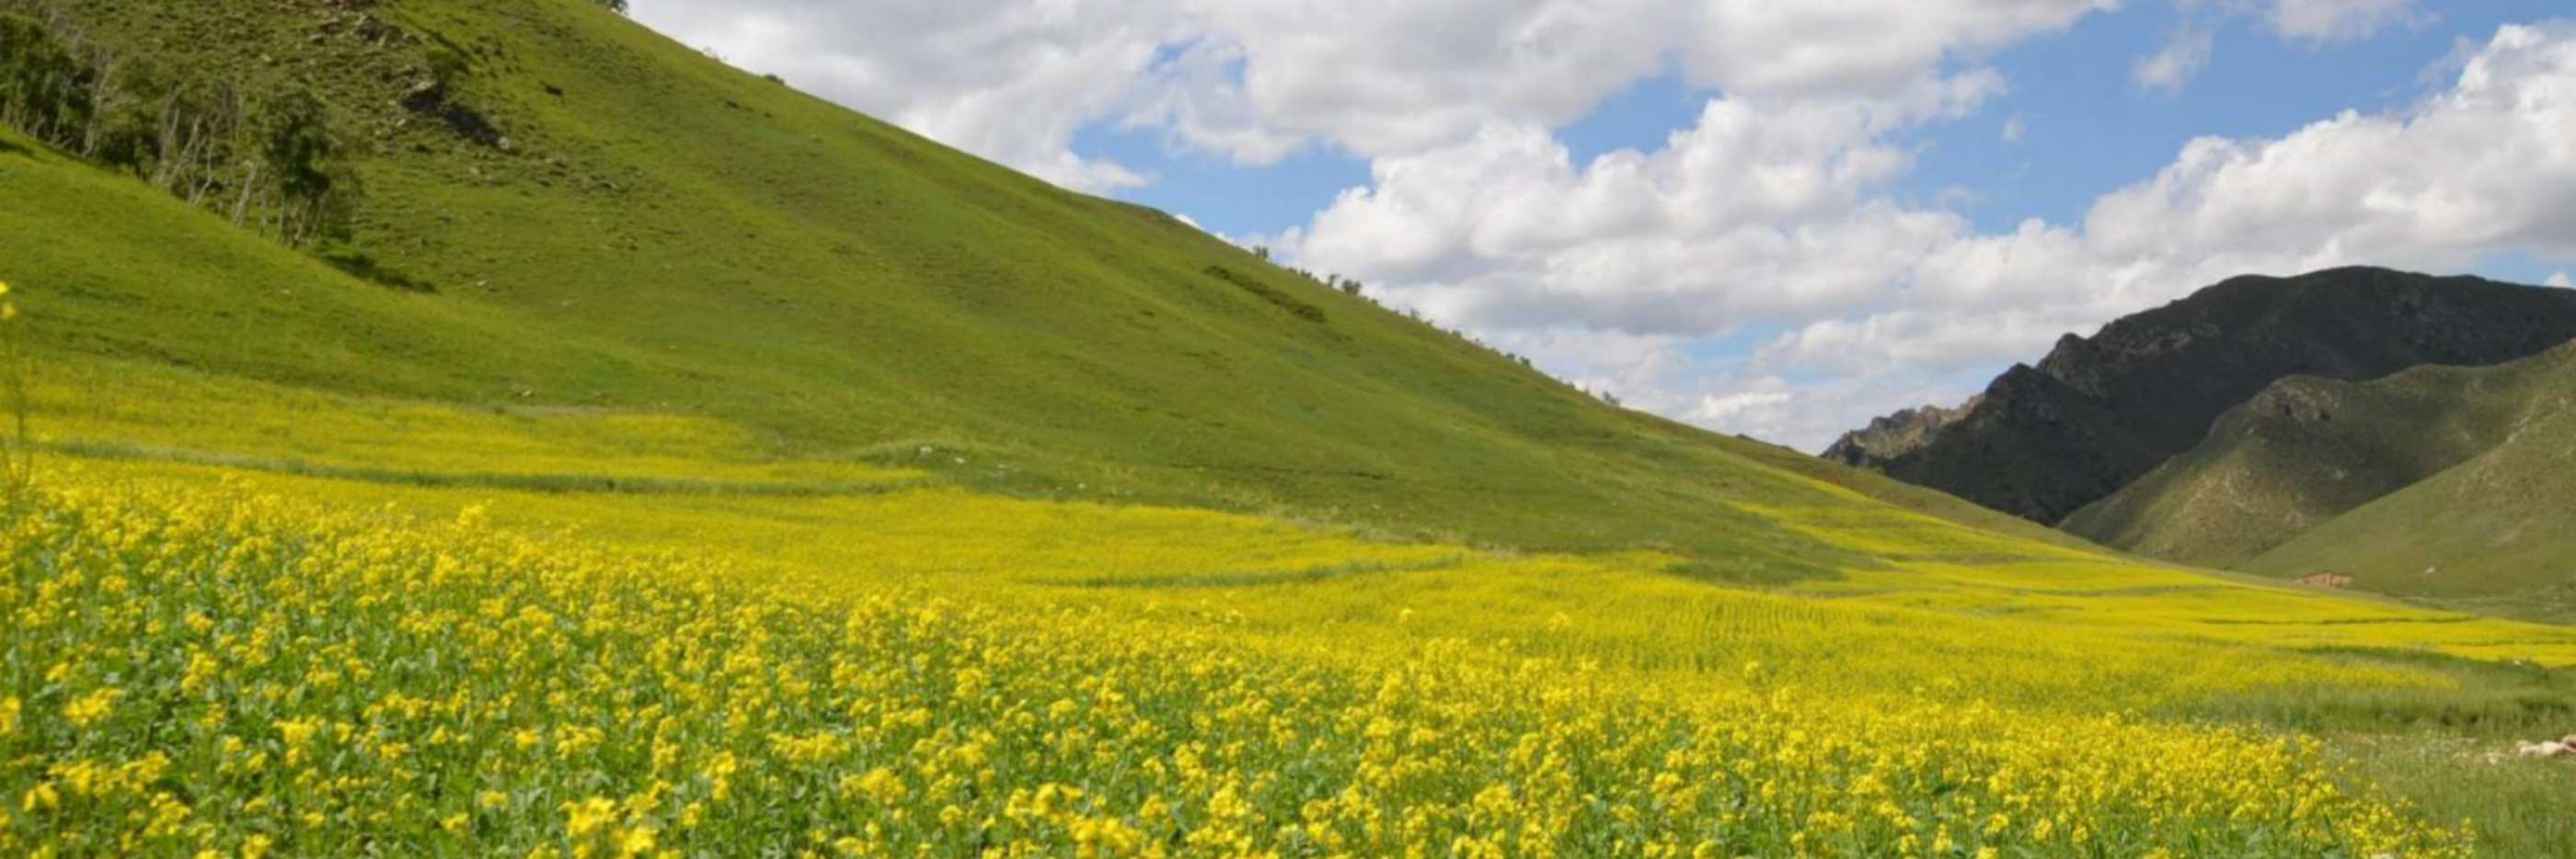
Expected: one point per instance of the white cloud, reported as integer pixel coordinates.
(2015, 129)
(1781, 214)
(1253, 80)
(1009, 84)
(1770, 48)
(2561, 281)
(2324, 20)
(2185, 53)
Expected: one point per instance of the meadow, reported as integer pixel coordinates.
(713, 470)
(615, 634)
(220, 668)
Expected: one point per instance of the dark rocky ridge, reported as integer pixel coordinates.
(1895, 435)
(2099, 412)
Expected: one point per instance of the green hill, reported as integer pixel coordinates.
(2499, 527)
(2308, 449)
(2450, 470)
(489, 426)
(564, 211)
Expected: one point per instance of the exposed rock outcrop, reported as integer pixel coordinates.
(2099, 412)
(1895, 435)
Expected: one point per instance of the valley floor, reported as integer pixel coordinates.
(327, 625)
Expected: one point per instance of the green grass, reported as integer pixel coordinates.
(713, 244)
(2518, 806)
(2307, 450)
(693, 313)
(2441, 483)
(2496, 524)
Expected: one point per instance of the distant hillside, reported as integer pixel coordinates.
(549, 207)
(2307, 450)
(1895, 435)
(2102, 411)
(2502, 521)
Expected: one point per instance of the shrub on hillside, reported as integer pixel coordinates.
(272, 161)
(45, 90)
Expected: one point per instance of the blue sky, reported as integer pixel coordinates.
(2088, 127)
(1776, 217)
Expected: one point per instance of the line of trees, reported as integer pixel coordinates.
(267, 156)
(1352, 286)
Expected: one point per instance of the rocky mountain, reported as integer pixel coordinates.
(1895, 435)
(2099, 412)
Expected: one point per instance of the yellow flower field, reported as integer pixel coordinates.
(305, 632)
(215, 667)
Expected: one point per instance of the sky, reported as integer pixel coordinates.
(1772, 217)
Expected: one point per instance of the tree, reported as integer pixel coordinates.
(299, 154)
(45, 90)
(126, 130)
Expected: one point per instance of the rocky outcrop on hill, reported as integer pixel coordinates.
(1895, 435)
(2098, 412)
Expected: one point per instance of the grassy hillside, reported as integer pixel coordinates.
(712, 470)
(2493, 528)
(662, 233)
(166, 486)
(2307, 450)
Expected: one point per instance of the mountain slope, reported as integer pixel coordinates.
(1895, 435)
(2307, 450)
(2501, 522)
(2099, 412)
(627, 224)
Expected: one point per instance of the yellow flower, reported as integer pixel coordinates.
(587, 816)
(635, 841)
(297, 732)
(84, 710)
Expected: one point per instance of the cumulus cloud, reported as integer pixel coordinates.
(2015, 129)
(2181, 59)
(1252, 80)
(1392, 79)
(1780, 214)
(2325, 20)
(1768, 48)
(2561, 281)
(1009, 84)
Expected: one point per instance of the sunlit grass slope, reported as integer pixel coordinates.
(761, 477)
(666, 234)
(2307, 450)
(2496, 526)
(2439, 482)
